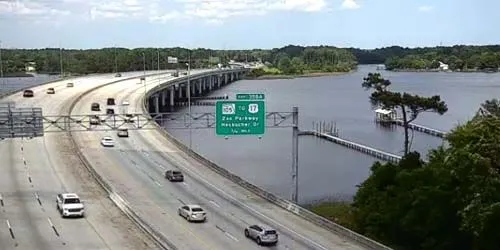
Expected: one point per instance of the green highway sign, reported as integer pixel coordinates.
(250, 96)
(240, 118)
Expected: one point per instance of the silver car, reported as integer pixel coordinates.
(261, 234)
(192, 213)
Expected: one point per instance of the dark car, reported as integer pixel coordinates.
(94, 120)
(122, 132)
(28, 93)
(118, 75)
(111, 101)
(174, 175)
(110, 111)
(95, 107)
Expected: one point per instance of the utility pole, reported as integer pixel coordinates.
(295, 154)
(1, 66)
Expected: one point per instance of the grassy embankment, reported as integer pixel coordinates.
(274, 73)
(338, 212)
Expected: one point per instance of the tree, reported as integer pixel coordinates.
(285, 65)
(490, 108)
(298, 65)
(409, 205)
(450, 202)
(409, 105)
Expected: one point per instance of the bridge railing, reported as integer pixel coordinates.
(280, 202)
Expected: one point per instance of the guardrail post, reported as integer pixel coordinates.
(295, 154)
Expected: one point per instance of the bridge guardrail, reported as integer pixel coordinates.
(157, 236)
(280, 202)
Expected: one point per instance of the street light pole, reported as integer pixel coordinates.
(189, 100)
(295, 154)
(144, 68)
(1, 66)
(61, 61)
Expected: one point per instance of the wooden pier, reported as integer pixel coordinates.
(390, 117)
(379, 154)
(423, 129)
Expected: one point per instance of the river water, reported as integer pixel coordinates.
(326, 170)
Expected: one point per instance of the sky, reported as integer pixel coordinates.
(247, 24)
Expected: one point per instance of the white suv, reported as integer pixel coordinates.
(107, 141)
(69, 204)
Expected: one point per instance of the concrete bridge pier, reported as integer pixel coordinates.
(171, 99)
(200, 88)
(164, 97)
(209, 86)
(179, 91)
(156, 104)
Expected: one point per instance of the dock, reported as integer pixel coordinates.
(422, 129)
(379, 154)
(390, 117)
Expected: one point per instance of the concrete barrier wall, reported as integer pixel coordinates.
(285, 204)
(160, 239)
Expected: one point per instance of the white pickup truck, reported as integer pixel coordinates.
(69, 205)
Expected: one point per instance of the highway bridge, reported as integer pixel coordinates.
(129, 203)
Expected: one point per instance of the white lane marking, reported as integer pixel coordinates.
(184, 183)
(251, 208)
(231, 236)
(50, 222)
(157, 183)
(215, 204)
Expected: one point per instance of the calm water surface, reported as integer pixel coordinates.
(326, 170)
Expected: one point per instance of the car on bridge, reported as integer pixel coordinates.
(70, 205)
(94, 120)
(125, 103)
(28, 93)
(110, 101)
(95, 107)
(192, 213)
(118, 75)
(107, 141)
(123, 132)
(51, 91)
(110, 111)
(69, 84)
(174, 175)
(262, 234)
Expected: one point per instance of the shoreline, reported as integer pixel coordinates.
(436, 70)
(307, 75)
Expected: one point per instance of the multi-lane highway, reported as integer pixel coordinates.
(136, 166)
(34, 171)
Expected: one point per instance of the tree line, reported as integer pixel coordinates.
(290, 59)
(449, 201)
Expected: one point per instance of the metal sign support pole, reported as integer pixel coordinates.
(295, 154)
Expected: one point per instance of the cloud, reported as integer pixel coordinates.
(425, 8)
(350, 5)
(29, 9)
(211, 11)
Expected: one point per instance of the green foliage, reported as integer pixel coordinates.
(450, 202)
(458, 57)
(339, 212)
(103, 60)
(410, 106)
(490, 108)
